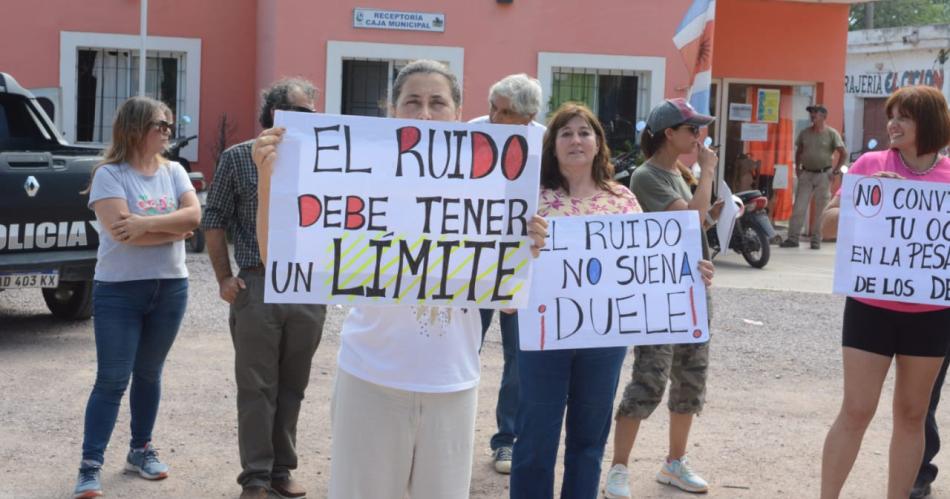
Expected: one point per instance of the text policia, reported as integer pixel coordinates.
(399, 210)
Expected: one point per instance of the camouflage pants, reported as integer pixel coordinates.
(683, 365)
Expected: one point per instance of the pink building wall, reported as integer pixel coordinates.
(499, 39)
(247, 44)
(30, 48)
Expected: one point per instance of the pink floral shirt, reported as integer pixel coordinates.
(559, 203)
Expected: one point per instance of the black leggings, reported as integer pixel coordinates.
(888, 332)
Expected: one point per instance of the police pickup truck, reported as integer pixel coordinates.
(48, 237)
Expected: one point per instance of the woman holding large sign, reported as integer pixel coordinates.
(672, 131)
(877, 331)
(576, 179)
(404, 401)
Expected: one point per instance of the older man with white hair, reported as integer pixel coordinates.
(514, 100)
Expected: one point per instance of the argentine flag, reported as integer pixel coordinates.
(694, 39)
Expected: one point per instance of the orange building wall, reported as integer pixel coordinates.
(795, 41)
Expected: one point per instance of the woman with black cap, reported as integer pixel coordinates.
(673, 130)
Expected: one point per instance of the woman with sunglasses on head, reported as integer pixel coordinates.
(877, 333)
(146, 207)
(672, 131)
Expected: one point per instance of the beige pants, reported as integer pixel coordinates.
(388, 443)
(817, 184)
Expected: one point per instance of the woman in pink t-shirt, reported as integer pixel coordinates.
(876, 331)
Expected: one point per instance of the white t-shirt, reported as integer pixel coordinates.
(487, 119)
(413, 348)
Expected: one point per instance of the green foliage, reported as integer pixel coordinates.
(896, 13)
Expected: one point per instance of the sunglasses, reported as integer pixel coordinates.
(693, 129)
(163, 126)
(299, 109)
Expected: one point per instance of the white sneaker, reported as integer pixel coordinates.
(618, 483)
(678, 474)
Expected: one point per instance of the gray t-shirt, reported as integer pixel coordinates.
(656, 187)
(157, 194)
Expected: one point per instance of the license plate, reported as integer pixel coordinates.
(29, 279)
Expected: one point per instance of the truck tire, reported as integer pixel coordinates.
(70, 301)
(196, 243)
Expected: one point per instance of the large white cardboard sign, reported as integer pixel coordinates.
(617, 280)
(386, 211)
(894, 240)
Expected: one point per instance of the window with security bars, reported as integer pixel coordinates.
(107, 77)
(619, 98)
(367, 84)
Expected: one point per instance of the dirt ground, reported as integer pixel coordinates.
(774, 388)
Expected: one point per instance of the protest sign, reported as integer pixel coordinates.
(727, 217)
(894, 240)
(386, 211)
(617, 280)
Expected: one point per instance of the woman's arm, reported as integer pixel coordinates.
(112, 211)
(184, 219)
(829, 217)
(265, 154)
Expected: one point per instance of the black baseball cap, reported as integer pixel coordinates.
(675, 112)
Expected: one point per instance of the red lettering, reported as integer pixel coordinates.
(408, 138)
(514, 157)
(309, 209)
(354, 212)
(484, 154)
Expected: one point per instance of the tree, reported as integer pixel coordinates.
(895, 13)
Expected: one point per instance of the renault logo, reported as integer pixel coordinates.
(31, 186)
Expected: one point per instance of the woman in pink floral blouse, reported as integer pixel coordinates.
(576, 179)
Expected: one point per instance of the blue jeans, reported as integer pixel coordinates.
(135, 325)
(506, 411)
(583, 382)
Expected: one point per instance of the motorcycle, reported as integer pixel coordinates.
(195, 243)
(751, 233)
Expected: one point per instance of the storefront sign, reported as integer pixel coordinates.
(390, 19)
(617, 280)
(754, 132)
(385, 211)
(894, 240)
(768, 105)
(740, 112)
(884, 84)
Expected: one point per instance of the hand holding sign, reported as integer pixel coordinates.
(617, 280)
(894, 240)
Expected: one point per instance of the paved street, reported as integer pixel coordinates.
(773, 391)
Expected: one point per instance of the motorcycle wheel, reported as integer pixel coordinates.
(755, 249)
(196, 243)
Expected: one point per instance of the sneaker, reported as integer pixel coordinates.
(502, 460)
(87, 484)
(788, 244)
(815, 245)
(677, 473)
(145, 462)
(618, 483)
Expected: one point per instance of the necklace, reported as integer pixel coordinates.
(917, 172)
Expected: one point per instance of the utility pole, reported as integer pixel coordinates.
(143, 32)
(869, 15)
